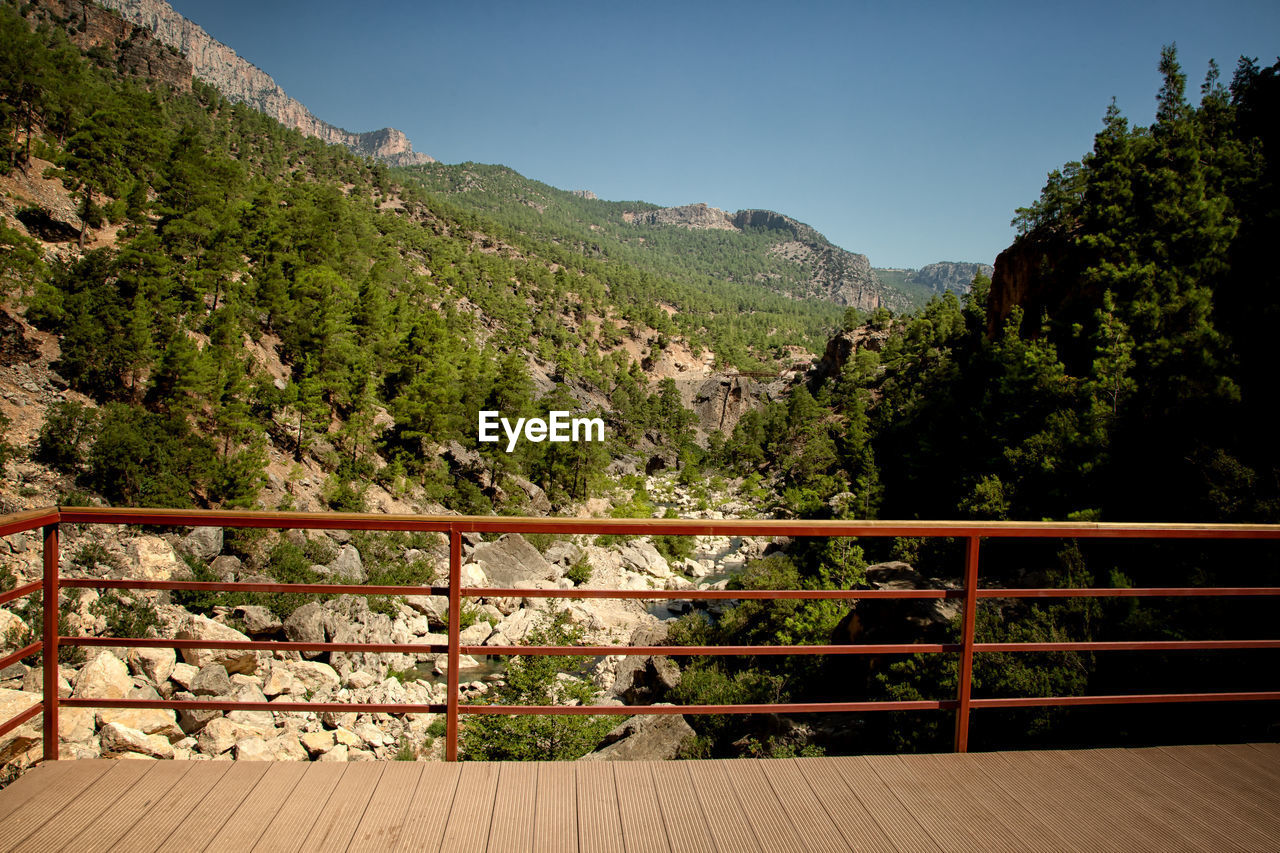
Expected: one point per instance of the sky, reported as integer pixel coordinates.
(907, 131)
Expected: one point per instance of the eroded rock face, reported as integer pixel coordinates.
(644, 738)
(511, 561)
(202, 628)
(217, 64)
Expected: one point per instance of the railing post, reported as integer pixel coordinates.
(966, 643)
(50, 661)
(455, 627)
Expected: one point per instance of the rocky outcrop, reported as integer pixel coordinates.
(134, 47)
(644, 738)
(842, 347)
(949, 275)
(239, 80)
(698, 216)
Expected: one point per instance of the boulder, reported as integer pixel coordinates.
(338, 753)
(192, 720)
(149, 721)
(75, 725)
(203, 542)
(252, 749)
(104, 677)
(211, 680)
(279, 680)
(434, 607)
(13, 630)
(220, 735)
(640, 556)
(202, 628)
(512, 561)
(317, 743)
(347, 565)
(257, 719)
(156, 665)
(18, 741)
(153, 559)
(307, 624)
(287, 747)
(644, 738)
(314, 675)
(226, 568)
(258, 620)
(116, 739)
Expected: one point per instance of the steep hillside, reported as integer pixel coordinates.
(241, 81)
(934, 279)
(690, 242)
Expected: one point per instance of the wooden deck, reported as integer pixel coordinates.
(1171, 798)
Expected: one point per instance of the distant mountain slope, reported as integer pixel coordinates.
(239, 80)
(933, 279)
(690, 242)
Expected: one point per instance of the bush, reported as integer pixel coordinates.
(67, 427)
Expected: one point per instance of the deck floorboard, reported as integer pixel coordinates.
(1159, 798)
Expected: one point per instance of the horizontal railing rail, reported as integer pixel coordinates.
(48, 520)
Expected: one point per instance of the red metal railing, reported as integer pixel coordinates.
(454, 526)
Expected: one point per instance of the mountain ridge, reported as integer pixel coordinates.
(241, 80)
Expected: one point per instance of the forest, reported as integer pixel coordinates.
(1119, 368)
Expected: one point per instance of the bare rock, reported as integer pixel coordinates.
(317, 743)
(104, 677)
(116, 739)
(220, 735)
(203, 542)
(511, 560)
(227, 568)
(287, 747)
(211, 680)
(347, 565)
(644, 738)
(192, 720)
(307, 624)
(252, 749)
(150, 721)
(314, 675)
(279, 680)
(183, 674)
(156, 665)
(258, 620)
(202, 628)
(338, 753)
(153, 559)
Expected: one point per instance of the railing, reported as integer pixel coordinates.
(454, 526)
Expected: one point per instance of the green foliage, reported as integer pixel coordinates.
(533, 680)
(580, 572)
(127, 616)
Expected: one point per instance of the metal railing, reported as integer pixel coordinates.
(972, 533)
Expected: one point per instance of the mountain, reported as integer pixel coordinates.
(933, 279)
(689, 242)
(239, 80)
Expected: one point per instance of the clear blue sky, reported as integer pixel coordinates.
(907, 131)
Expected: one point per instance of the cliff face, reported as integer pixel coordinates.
(949, 275)
(136, 51)
(239, 80)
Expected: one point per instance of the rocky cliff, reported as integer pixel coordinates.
(239, 80)
(949, 275)
(136, 52)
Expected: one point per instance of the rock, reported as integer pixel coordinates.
(314, 675)
(105, 677)
(211, 680)
(287, 747)
(354, 754)
(150, 721)
(258, 620)
(473, 575)
(203, 542)
(347, 565)
(74, 724)
(345, 737)
(153, 559)
(434, 607)
(18, 741)
(218, 736)
(279, 680)
(183, 674)
(192, 720)
(511, 561)
(563, 554)
(13, 630)
(644, 738)
(201, 628)
(338, 753)
(641, 556)
(226, 568)
(252, 749)
(370, 734)
(156, 665)
(307, 624)
(476, 634)
(317, 743)
(257, 719)
(338, 719)
(359, 679)
(116, 739)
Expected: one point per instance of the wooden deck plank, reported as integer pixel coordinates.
(336, 823)
(1257, 778)
(766, 815)
(33, 783)
(1028, 785)
(856, 825)
(555, 824)
(681, 811)
(514, 804)
(888, 811)
(642, 828)
(209, 815)
(1106, 792)
(133, 807)
(927, 800)
(599, 815)
(803, 808)
(306, 803)
(1249, 754)
(990, 804)
(432, 802)
(87, 807)
(467, 827)
(171, 810)
(45, 798)
(381, 824)
(256, 809)
(1200, 823)
(1217, 786)
(728, 824)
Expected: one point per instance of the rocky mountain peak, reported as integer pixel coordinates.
(240, 80)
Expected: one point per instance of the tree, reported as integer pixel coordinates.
(535, 680)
